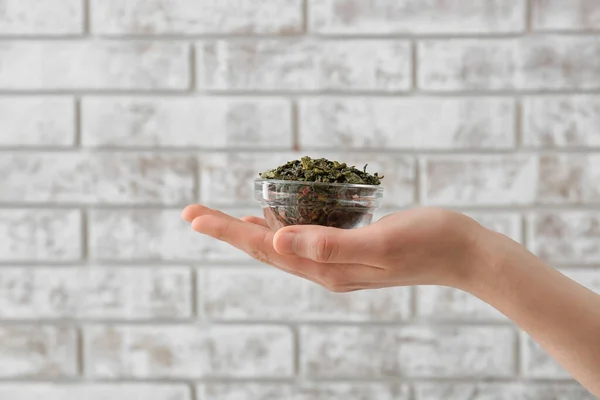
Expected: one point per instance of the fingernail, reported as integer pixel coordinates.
(286, 243)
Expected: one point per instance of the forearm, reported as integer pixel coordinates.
(561, 315)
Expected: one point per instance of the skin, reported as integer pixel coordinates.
(429, 246)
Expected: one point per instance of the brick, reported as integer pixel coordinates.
(188, 351)
(407, 123)
(566, 237)
(478, 180)
(44, 235)
(41, 351)
(444, 303)
(409, 351)
(508, 224)
(572, 179)
(236, 391)
(43, 121)
(171, 17)
(574, 15)
(83, 65)
(561, 121)
(500, 391)
(534, 63)
(89, 293)
(269, 294)
(93, 391)
(41, 17)
(537, 363)
(321, 391)
(98, 178)
(411, 16)
(304, 65)
(144, 234)
(183, 122)
(226, 178)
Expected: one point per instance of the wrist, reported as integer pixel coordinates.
(484, 260)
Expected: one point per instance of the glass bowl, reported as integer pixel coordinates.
(337, 205)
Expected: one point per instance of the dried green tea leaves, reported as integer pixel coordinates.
(318, 192)
(321, 170)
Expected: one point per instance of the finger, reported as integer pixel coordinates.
(195, 210)
(257, 241)
(223, 230)
(328, 245)
(255, 220)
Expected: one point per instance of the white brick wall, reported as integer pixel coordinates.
(94, 391)
(406, 123)
(581, 15)
(187, 351)
(97, 64)
(292, 299)
(321, 391)
(89, 293)
(43, 121)
(38, 351)
(359, 352)
(304, 65)
(138, 17)
(41, 17)
(409, 16)
(115, 114)
(253, 123)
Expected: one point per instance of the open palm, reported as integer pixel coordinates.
(420, 246)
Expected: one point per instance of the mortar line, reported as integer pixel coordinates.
(529, 18)
(193, 391)
(296, 350)
(417, 180)
(160, 93)
(192, 66)
(414, 301)
(414, 65)
(86, 17)
(195, 296)
(84, 237)
(78, 133)
(517, 354)
(305, 16)
(196, 184)
(193, 151)
(289, 381)
(295, 126)
(518, 126)
(523, 228)
(196, 323)
(412, 391)
(241, 37)
(80, 352)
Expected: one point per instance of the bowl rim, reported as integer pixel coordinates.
(310, 183)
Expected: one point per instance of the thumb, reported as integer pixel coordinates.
(325, 245)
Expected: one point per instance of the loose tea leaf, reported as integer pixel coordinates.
(322, 170)
(320, 192)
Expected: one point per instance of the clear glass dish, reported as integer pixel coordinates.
(337, 205)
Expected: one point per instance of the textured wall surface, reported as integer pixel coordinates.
(114, 114)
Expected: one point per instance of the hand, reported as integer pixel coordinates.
(419, 246)
(431, 246)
